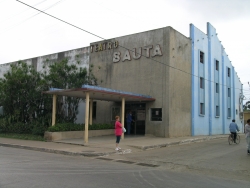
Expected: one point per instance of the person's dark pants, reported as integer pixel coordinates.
(128, 127)
(118, 138)
(234, 133)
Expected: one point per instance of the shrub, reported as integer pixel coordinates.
(7, 125)
(22, 136)
(78, 127)
(66, 127)
(38, 129)
(15, 127)
(101, 126)
(3, 125)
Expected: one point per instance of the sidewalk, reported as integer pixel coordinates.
(103, 145)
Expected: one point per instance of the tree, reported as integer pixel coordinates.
(22, 99)
(63, 75)
(20, 92)
(246, 106)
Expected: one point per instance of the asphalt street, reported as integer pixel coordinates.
(24, 168)
(214, 158)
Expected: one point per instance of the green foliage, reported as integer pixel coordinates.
(22, 136)
(39, 126)
(20, 93)
(63, 75)
(35, 127)
(78, 127)
(3, 125)
(66, 127)
(101, 126)
(7, 126)
(247, 105)
(26, 109)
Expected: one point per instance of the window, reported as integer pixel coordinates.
(228, 92)
(201, 57)
(217, 111)
(94, 110)
(229, 112)
(216, 65)
(156, 114)
(202, 108)
(216, 87)
(202, 83)
(236, 112)
(228, 72)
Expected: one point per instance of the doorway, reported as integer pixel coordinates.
(138, 115)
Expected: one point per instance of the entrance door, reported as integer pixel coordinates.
(138, 115)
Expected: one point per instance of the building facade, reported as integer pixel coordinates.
(246, 116)
(216, 88)
(195, 86)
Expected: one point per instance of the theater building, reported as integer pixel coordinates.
(192, 85)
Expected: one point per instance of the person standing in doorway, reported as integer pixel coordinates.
(233, 128)
(129, 121)
(118, 132)
(247, 132)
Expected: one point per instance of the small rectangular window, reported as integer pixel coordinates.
(201, 57)
(236, 112)
(217, 111)
(229, 112)
(156, 114)
(202, 108)
(202, 83)
(228, 92)
(228, 72)
(216, 87)
(216, 65)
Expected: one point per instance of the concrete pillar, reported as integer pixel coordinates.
(123, 114)
(86, 137)
(90, 111)
(54, 110)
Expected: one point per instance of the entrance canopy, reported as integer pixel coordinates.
(100, 93)
(91, 93)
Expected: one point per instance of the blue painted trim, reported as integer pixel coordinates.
(54, 89)
(223, 95)
(210, 80)
(233, 88)
(193, 107)
(107, 90)
(114, 91)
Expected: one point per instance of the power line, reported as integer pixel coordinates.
(61, 20)
(33, 15)
(120, 45)
(21, 12)
(2, 1)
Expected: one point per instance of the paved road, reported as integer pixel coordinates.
(213, 158)
(21, 168)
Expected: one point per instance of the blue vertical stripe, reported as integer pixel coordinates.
(210, 79)
(223, 98)
(192, 37)
(233, 88)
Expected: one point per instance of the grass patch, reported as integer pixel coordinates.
(22, 136)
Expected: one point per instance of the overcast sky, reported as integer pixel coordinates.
(26, 33)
